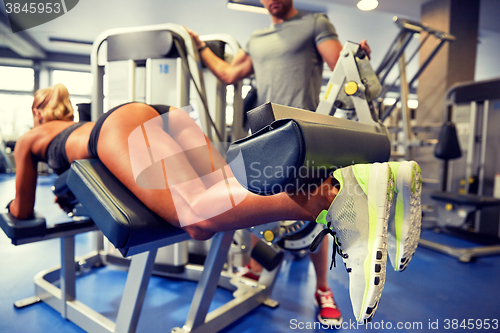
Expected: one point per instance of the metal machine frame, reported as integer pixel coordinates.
(346, 78)
(396, 55)
(248, 294)
(98, 61)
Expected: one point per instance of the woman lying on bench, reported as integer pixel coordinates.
(198, 192)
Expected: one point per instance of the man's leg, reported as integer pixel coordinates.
(329, 314)
(320, 263)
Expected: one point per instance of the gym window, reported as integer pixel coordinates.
(17, 79)
(16, 94)
(79, 85)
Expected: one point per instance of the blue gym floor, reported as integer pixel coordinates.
(436, 291)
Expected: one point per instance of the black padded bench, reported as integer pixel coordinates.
(137, 232)
(36, 229)
(453, 210)
(125, 221)
(475, 201)
(290, 147)
(24, 232)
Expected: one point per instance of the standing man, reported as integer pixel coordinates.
(287, 60)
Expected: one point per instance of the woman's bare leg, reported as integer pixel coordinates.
(194, 204)
(200, 152)
(182, 130)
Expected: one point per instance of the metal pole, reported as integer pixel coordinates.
(67, 273)
(405, 111)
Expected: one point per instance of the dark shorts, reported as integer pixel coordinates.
(94, 135)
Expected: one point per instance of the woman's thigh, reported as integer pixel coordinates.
(115, 152)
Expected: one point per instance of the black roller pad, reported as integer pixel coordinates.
(289, 154)
(266, 255)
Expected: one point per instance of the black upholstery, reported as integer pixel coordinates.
(448, 146)
(466, 199)
(288, 153)
(139, 45)
(18, 229)
(466, 92)
(121, 217)
(268, 157)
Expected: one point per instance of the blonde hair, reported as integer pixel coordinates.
(53, 103)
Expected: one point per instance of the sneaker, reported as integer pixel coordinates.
(358, 218)
(329, 313)
(405, 219)
(246, 272)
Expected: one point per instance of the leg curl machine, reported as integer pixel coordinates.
(462, 208)
(303, 139)
(137, 232)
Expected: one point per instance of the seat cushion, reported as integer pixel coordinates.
(465, 199)
(121, 217)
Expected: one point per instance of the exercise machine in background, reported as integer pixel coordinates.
(468, 204)
(395, 60)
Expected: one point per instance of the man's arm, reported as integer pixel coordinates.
(239, 68)
(330, 51)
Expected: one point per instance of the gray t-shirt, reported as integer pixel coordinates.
(288, 67)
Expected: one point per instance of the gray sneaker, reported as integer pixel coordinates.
(405, 219)
(358, 219)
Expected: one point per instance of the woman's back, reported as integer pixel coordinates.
(68, 146)
(75, 142)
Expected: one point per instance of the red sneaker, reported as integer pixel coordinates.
(329, 313)
(248, 273)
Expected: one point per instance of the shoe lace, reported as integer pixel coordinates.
(327, 301)
(336, 245)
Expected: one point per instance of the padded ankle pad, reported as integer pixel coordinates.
(289, 153)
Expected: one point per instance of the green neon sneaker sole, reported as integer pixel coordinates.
(406, 215)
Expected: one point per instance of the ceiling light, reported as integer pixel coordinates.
(412, 104)
(71, 41)
(367, 4)
(247, 6)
